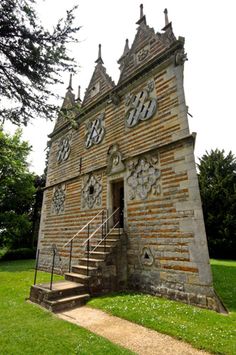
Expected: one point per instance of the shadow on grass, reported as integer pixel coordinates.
(224, 278)
(17, 265)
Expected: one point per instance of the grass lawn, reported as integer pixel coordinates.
(203, 329)
(26, 329)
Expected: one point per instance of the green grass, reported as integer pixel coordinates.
(27, 329)
(224, 276)
(203, 329)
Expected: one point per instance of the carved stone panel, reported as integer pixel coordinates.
(141, 106)
(95, 89)
(64, 148)
(147, 256)
(58, 199)
(95, 131)
(114, 160)
(92, 192)
(143, 177)
(142, 54)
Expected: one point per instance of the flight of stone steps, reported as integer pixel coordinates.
(84, 280)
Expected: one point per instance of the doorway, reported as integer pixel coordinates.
(118, 201)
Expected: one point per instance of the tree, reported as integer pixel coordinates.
(39, 184)
(17, 191)
(217, 180)
(31, 59)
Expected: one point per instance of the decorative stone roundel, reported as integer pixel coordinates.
(63, 151)
(58, 199)
(143, 178)
(141, 106)
(92, 192)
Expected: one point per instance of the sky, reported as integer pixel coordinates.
(210, 74)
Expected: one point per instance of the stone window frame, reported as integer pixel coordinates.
(97, 125)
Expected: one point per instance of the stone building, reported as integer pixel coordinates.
(126, 149)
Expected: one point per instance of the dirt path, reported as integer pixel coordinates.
(129, 335)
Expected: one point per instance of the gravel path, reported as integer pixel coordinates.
(129, 335)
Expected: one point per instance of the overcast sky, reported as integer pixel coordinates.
(210, 75)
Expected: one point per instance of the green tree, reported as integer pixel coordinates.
(31, 60)
(217, 180)
(35, 214)
(17, 191)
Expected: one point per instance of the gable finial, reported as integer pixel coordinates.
(166, 17)
(142, 18)
(78, 98)
(126, 49)
(141, 11)
(70, 83)
(125, 52)
(99, 60)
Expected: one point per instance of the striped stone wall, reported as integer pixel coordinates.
(167, 250)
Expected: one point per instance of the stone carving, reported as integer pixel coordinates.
(141, 106)
(58, 200)
(95, 131)
(168, 36)
(180, 57)
(142, 54)
(114, 98)
(64, 149)
(147, 256)
(95, 89)
(143, 177)
(114, 160)
(92, 192)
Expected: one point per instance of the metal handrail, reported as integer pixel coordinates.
(76, 234)
(87, 241)
(54, 252)
(106, 235)
(101, 225)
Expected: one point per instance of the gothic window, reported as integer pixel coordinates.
(58, 199)
(140, 107)
(95, 131)
(64, 148)
(92, 192)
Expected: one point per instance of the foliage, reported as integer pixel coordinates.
(35, 331)
(19, 254)
(17, 191)
(31, 59)
(217, 180)
(202, 328)
(35, 214)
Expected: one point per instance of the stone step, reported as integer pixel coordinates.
(113, 236)
(67, 302)
(110, 240)
(83, 269)
(117, 231)
(108, 248)
(99, 254)
(92, 261)
(59, 289)
(79, 278)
